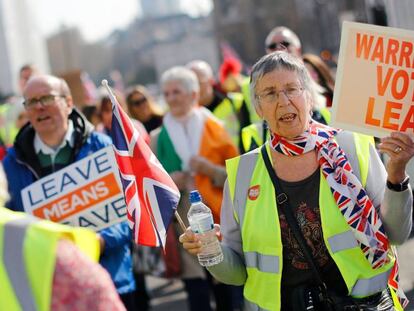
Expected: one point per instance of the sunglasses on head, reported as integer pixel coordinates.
(281, 45)
(138, 102)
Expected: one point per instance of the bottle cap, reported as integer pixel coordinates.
(195, 196)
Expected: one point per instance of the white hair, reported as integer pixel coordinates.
(184, 76)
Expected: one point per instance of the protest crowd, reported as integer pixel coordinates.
(308, 215)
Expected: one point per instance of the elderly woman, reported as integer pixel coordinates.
(308, 219)
(192, 145)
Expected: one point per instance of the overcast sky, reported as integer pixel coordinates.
(96, 18)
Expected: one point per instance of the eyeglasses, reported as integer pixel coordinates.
(278, 45)
(273, 95)
(45, 101)
(138, 102)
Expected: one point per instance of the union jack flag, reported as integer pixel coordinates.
(150, 194)
(294, 147)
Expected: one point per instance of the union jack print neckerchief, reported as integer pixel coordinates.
(352, 200)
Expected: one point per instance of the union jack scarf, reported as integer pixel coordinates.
(349, 194)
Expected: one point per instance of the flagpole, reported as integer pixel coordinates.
(111, 95)
(180, 221)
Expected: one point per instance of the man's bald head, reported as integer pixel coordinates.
(282, 38)
(205, 78)
(202, 68)
(53, 83)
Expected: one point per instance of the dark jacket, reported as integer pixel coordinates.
(22, 168)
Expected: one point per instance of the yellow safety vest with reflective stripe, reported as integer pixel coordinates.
(326, 114)
(28, 255)
(227, 111)
(262, 242)
(252, 136)
(245, 89)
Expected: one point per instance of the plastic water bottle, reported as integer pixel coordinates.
(201, 222)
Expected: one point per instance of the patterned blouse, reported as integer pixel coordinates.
(80, 284)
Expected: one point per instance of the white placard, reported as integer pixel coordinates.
(374, 89)
(87, 193)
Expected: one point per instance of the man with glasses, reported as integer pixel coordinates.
(283, 39)
(56, 136)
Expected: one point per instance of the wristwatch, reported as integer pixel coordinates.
(400, 186)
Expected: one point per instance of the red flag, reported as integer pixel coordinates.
(228, 52)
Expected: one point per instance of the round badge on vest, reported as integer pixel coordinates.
(254, 192)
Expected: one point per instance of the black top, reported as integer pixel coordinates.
(304, 200)
(242, 115)
(217, 99)
(153, 123)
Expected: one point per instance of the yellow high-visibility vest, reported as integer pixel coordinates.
(28, 255)
(227, 112)
(262, 241)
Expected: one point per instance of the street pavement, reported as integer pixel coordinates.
(166, 295)
(169, 295)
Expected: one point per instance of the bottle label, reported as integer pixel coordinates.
(201, 223)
